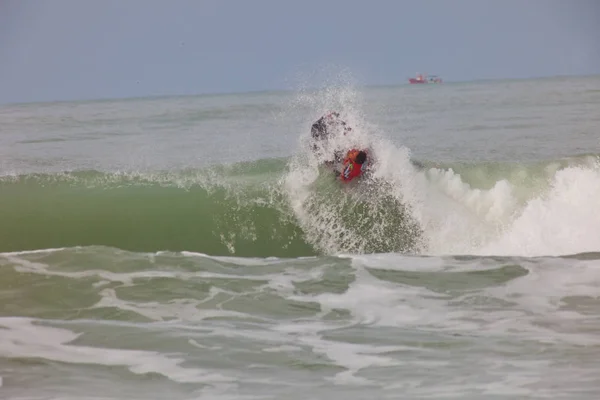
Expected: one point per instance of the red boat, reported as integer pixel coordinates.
(424, 79)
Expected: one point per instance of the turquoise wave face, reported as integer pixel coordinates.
(240, 210)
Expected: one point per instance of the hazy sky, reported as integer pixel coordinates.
(82, 49)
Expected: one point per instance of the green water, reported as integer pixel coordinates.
(191, 248)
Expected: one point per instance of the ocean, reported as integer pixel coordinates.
(194, 248)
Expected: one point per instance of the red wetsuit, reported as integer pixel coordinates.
(351, 168)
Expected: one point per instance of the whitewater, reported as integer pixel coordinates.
(193, 247)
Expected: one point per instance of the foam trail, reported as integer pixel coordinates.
(457, 218)
(22, 338)
(563, 221)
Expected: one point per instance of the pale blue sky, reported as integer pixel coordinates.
(85, 49)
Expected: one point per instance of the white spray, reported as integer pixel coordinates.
(453, 217)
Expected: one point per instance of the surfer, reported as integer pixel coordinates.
(347, 168)
(355, 165)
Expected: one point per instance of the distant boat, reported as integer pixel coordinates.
(424, 79)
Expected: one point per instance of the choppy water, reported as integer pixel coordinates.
(191, 248)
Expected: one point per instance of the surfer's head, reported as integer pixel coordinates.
(360, 157)
(357, 156)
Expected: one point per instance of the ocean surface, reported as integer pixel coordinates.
(193, 248)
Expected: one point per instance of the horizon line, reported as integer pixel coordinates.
(281, 90)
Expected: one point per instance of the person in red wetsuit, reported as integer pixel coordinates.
(354, 165)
